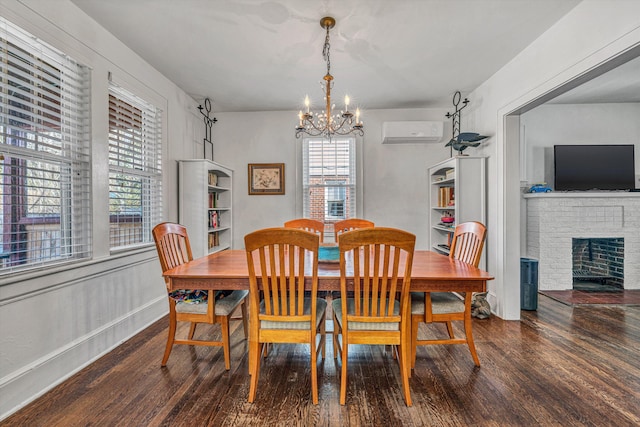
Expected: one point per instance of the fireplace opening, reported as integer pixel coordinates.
(598, 264)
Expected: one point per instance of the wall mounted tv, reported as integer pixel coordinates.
(594, 167)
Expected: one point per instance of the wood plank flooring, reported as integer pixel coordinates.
(558, 366)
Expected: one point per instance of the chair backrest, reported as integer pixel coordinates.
(307, 224)
(376, 256)
(172, 243)
(283, 255)
(467, 242)
(350, 224)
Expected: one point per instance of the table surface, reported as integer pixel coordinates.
(228, 269)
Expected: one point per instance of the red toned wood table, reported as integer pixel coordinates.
(431, 271)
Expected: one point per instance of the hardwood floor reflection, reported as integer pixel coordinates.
(560, 365)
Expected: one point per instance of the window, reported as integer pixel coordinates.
(329, 178)
(45, 179)
(135, 180)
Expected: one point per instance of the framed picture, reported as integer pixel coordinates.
(266, 178)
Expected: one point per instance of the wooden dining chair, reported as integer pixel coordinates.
(445, 307)
(172, 244)
(350, 224)
(308, 224)
(372, 314)
(277, 259)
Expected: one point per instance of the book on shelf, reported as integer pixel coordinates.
(446, 197)
(213, 200)
(214, 219)
(213, 178)
(214, 240)
(450, 174)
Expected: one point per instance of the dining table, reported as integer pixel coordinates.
(227, 270)
(430, 271)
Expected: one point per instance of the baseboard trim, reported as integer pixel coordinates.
(32, 381)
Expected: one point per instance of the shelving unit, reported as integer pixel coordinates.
(457, 189)
(205, 203)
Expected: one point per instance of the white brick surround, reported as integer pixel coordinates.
(553, 219)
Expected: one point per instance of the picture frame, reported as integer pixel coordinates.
(266, 178)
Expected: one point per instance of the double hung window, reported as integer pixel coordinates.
(135, 173)
(329, 178)
(45, 167)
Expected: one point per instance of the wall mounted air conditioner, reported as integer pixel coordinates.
(411, 132)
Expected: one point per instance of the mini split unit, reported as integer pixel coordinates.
(411, 132)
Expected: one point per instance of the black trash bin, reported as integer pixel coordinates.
(528, 284)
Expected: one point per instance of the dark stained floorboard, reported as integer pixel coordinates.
(559, 366)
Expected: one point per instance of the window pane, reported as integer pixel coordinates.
(329, 179)
(45, 166)
(135, 181)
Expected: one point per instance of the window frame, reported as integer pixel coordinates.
(46, 147)
(352, 189)
(135, 156)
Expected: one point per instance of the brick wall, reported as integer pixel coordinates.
(555, 219)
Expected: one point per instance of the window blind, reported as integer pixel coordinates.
(45, 179)
(135, 168)
(329, 178)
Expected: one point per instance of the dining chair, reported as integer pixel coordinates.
(445, 307)
(350, 224)
(174, 249)
(277, 259)
(307, 224)
(372, 314)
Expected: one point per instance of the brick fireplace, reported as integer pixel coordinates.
(555, 220)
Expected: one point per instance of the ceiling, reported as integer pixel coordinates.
(259, 55)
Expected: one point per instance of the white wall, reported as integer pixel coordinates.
(569, 124)
(594, 32)
(55, 321)
(395, 175)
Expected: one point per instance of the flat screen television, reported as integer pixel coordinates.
(594, 167)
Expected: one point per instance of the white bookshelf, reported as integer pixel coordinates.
(204, 197)
(457, 188)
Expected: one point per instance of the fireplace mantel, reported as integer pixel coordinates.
(554, 219)
(583, 195)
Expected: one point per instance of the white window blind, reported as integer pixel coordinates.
(329, 178)
(135, 168)
(45, 179)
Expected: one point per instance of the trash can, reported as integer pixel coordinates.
(528, 284)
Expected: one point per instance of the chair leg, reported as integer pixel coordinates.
(192, 330)
(469, 334)
(450, 329)
(343, 375)
(323, 336)
(336, 331)
(224, 324)
(245, 318)
(314, 370)
(404, 372)
(171, 336)
(255, 351)
(415, 323)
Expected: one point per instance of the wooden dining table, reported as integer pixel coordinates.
(228, 270)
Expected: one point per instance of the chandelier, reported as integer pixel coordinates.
(326, 123)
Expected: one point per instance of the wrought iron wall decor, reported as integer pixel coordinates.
(208, 124)
(461, 140)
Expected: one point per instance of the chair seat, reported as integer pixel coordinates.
(441, 303)
(224, 306)
(321, 306)
(364, 326)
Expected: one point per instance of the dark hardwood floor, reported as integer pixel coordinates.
(558, 366)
